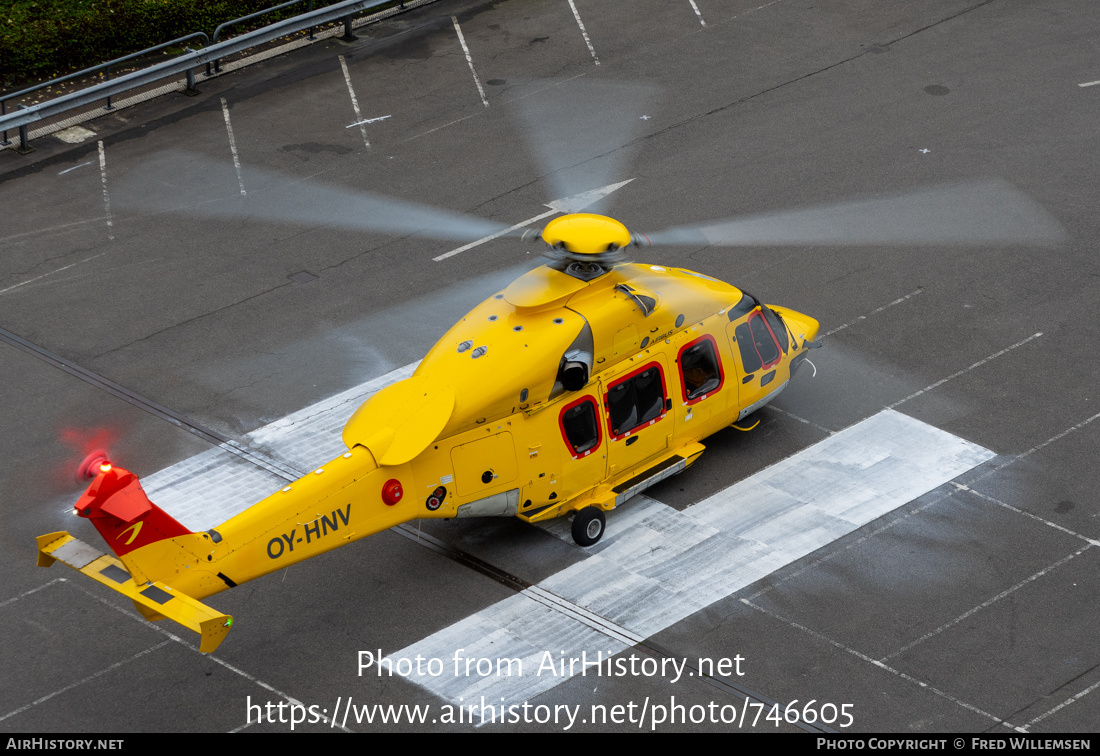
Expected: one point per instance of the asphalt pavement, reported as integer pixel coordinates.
(971, 608)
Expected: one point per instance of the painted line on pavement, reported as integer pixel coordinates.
(584, 32)
(850, 323)
(233, 146)
(1065, 703)
(695, 8)
(360, 122)
(44, 275)
(984, 604)
(880, 665)
(469, 60)
(964, 371)
(87, 679)
(173, 637)
(106, 196)
(13, 599)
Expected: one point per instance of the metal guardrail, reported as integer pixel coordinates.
(185, 63)
(105, 67)
(251, 16)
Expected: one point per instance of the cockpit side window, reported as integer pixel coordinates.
(700, 369)
(759, 348)
(779, 329)
(579, 427)
(763, 340)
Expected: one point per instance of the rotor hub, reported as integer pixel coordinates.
(584, 239)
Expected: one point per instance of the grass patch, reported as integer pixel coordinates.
(42, 39)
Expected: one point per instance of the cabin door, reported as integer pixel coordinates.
(636, 417)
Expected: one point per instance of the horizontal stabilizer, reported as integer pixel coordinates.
(153, 599)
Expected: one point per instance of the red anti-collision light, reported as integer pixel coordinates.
(392, 492)
(105, 467)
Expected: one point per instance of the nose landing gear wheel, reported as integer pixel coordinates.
(588, 525)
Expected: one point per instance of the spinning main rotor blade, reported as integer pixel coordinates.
(976, 213)
(198, 186)
(579, 131)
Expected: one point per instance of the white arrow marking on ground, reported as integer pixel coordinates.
(573, 204)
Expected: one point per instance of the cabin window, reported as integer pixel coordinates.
(636, 400)
(758, 346)
(579, 427)
(700, 369)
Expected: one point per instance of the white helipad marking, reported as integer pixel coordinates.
(657, 565)
(1089, 84)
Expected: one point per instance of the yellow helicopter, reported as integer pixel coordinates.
(579, 385)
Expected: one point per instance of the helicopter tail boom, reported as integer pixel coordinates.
(166, 569)
(132, 526)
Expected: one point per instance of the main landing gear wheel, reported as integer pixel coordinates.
(588, 526)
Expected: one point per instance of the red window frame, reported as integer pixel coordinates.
(757, 313)
(595, 414)
(630, 376)
(717, 359)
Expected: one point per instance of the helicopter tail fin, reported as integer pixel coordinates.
(128, 521)
(117, 505)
